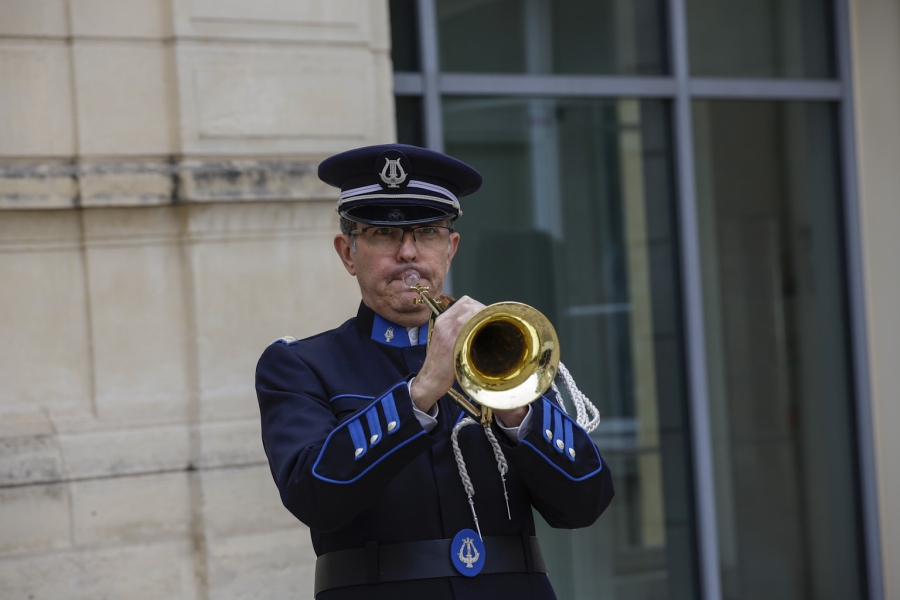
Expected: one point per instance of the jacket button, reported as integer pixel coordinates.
(572, 452)
(373, 439)
(359, 451)
(392, 425)
(559, 444)
(549, 434)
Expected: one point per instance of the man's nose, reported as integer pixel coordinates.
(408, 250)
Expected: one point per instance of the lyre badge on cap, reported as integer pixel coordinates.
(392, 166)
(393, 173)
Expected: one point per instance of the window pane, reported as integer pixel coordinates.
(404, 35)
(576, 218)
(409, 120)
(612, 37)
(780, 402)
(754, 38)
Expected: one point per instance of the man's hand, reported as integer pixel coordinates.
(437, 374)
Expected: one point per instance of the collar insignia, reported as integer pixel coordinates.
(389, 335)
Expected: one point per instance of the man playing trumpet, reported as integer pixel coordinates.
(363, 440)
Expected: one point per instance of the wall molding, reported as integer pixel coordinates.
(130, 183)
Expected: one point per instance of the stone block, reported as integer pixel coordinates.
(46, 18)
(262, 566)
(44, 358)
(244, 502)
(47, 576)
(145, 450)
(380, 20)
(385, 128)
(35, 518)
(124, 98)
(29, 449)
(224, 181)
(137, 509)
(232, 443)
(302, 290)
(126, 184)
(29, 185)
(114, 18)
(276, 99)
(335, 21)
(36, 103)
(159, 571)
(139, 319)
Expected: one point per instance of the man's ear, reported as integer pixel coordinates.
(454, 244)
(342, 247)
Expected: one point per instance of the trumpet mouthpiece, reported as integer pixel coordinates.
(411, 278)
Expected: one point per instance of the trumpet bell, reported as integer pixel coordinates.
(506, 355)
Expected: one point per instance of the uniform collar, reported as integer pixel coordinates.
(373, 325)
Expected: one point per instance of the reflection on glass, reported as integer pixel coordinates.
(404, 35)
(618, 37)
(576, 218)
(780, 400)
(750, 38)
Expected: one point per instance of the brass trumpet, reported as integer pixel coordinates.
(505, 356)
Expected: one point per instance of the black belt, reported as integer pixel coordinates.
(378, 563)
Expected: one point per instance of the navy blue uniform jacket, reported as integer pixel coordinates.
(352, 462)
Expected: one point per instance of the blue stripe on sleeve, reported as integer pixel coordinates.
(558, 430)
(390, 412)
(374, 425)
(548, 420)
(359, 438)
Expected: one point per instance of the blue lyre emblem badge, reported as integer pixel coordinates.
(467, 553)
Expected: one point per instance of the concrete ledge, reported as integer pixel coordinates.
(25, 185)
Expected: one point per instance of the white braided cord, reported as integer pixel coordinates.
(461, 465)
(457, 453)
(583, 406)
(562, 404)
(502, 465)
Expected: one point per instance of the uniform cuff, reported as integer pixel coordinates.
(516, 434)
(428, 420)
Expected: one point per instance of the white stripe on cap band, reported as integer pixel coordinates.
(414, 183)
(404, 196)
(360, 190)
(434, 188)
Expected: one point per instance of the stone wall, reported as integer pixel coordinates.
(876, 65)
(160, 224)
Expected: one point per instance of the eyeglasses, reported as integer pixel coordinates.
(429, 237)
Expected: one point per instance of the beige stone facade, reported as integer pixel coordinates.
(876, 54)
(161, 222)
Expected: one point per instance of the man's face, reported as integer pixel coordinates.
(380, 273)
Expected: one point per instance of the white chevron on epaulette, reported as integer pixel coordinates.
(286, 339)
